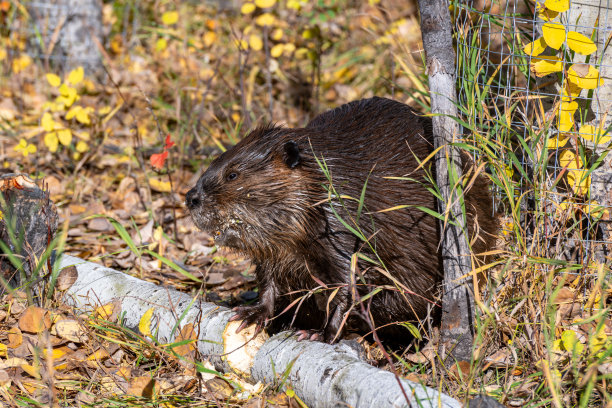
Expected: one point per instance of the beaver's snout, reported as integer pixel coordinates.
(192, 200)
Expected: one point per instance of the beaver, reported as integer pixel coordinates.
(300, 202)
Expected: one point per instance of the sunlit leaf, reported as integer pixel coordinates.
(247, 8)
(265, 19)
(571, 342)
(209, 38)
(25, 148)
(76, 76)
(277, 50)
(570, 91)
(144, 326)
(159, 185)
(554, 34)
(589, 132)
(579, 181)
(255, 42)
(557, 5)
(545, 65)
(566, 116)
(265, 3)
(47, 122)
(51, 141)
(556, 141)
(82, 116)
(568, 159)
(546, 14)
(170, 17)
(536, 47)
(81, 146)
(64, 136)
(580, 43)
(161, 44)
(20, 63)
(53, 80)
(584, 76)
(277, 34)
(159, 159)
(595, 210)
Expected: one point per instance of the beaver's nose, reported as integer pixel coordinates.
(191, 199)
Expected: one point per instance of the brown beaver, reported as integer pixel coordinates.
(269, 198)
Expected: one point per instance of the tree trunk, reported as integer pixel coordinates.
(457, 300)
(70, 34)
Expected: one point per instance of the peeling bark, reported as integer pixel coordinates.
(457, 298)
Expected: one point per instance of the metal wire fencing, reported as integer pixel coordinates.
(536, 77)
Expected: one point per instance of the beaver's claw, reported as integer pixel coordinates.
(253, 314)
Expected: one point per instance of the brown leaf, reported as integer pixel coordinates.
(66, 278)
(15, 337)
(461, 370)
(142, 387)
(35, 320)
(187, 333)
(219, 388)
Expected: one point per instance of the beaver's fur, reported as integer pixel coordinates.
(269, 198)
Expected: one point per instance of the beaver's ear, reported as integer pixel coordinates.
(292, 154)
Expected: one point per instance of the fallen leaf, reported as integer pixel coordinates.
(35, 320)
(66, 278)
(142, 387)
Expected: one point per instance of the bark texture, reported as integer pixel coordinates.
(28, 223)
(321, 375)
(457, 300)
(70, 32)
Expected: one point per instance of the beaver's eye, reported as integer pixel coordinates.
(232, 176)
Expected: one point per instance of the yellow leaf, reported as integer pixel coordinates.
(546, 14)
(144, 326)
(570, 91)
(2, 54)
(82, 116)
(73, 112)
(242, 45)
(255, 42)
(277, 50)
(557, 5)
(289, 48)
(161, 44)
(277, 34)
(3, 349)
(31, 370)
(209, 38)
(569, 159)
(589, 132)
(247, 8)
(55, 354)
(21, 63)
(170, 17)
(571, 342)
(265, 3)
(595, 210)
(584, 76)
(566, 116)
(68, 95)
(81, 146)
(47, 122)
(159, 185)
(546, 65)
(554, 34)
(53, 80)
(64, 136)
(579, 181)
(559, 140)
(104, 311)
(76, 76)
(24, 148)
(51, 141)
(265, 19)
(580, 43)
(536, 47)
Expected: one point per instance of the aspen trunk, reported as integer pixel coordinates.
(457, 298)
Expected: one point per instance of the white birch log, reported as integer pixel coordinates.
(322, 375)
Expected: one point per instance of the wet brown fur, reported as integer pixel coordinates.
(280, 215)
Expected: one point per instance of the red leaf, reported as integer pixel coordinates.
(169, 142)
(158, 159)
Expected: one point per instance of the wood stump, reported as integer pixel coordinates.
(28, 223)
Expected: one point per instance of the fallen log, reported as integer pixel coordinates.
(322, 375)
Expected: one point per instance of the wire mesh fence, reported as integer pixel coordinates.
(537, 78)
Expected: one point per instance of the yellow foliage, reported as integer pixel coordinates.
(255, 42)
(247, 8)
(545, 65)
(569, 159)
(75, 76)
(557, 5)
(25, 148)
(266, 19)
(170, 17)
(20, 63)
(589, 132)
(277, 34)
(580, 43)
(64, 136)
(554, 34)
(277, 50)
(536, 47)
(209, 38)
(579, 181)
(51, 141)
(584, 76)
(265, 3)
(161, 44)
(144, 326)
(559, 140)
(53, 80)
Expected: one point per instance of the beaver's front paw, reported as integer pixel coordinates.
(313, 335)
(254, 314)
